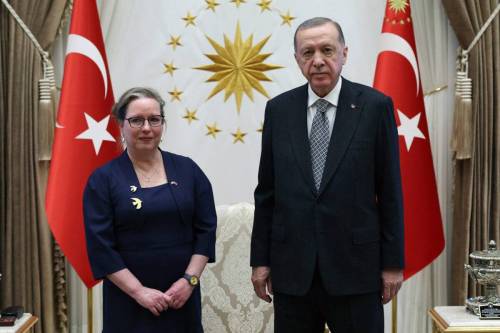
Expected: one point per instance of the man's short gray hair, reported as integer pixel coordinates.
(315, 22)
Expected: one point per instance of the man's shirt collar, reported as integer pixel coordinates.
(332, 96)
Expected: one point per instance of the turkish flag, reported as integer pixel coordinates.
(85, 137)
(397, 75)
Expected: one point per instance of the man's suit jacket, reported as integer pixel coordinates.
(352, 228)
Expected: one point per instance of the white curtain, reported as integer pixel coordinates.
(436, 46)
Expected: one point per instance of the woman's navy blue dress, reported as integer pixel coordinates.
(154, 239)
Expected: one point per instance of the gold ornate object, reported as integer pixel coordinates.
(485, 270)
(238, 67)
(398, 5)
(287, 18)
(190, 116)
(239, 136)
(212, 130)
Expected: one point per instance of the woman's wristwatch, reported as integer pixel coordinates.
(192, 279)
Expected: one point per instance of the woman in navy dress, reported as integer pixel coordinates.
(150, 226)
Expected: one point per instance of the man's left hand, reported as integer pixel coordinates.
(392, 279)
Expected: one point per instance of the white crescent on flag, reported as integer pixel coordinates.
(395, 43)
(80, 44)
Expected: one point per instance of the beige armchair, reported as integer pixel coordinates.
(228, 300)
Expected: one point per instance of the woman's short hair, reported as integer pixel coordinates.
(119, 110)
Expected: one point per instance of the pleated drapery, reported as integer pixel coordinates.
(26, 245)
(476, 217)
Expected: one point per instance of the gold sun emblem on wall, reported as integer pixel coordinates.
(238, 67)
(398, 5)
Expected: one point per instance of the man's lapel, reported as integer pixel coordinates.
(346, 120)
(297, 120)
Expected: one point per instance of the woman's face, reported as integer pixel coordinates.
(145, 137)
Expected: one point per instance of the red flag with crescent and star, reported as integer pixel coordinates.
(397, 76)
(85, 137)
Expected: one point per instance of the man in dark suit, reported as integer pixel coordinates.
(327, 238)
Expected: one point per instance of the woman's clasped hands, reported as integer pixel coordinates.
(153, 300)
(156, 301)
(179, 292)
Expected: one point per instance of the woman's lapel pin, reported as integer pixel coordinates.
(137, 203)
(133, 188)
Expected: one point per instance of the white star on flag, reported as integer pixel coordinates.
(97, 132)
(409, 128)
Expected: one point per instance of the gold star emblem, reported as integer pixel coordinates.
(238, 136)
(175, 41)
(211, 4)
(212, 130)
(189, 19)
(169, 68)
(176, 94)
(190, 116)
(238, 67)
(287, 19)
(238, 2)
(264, 5)
(261, 128)
(398, 5)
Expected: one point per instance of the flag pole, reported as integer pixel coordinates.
(394, 314)
(90, 311)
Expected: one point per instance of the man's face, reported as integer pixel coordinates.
(320, 57)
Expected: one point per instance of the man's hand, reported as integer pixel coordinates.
(261, 279)
(392, 279)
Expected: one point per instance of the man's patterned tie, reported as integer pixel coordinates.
(319, 139)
